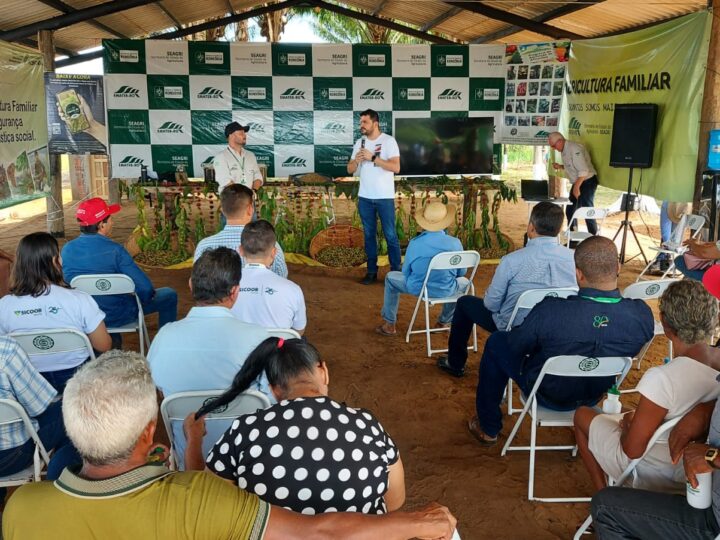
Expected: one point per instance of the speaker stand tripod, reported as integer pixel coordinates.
(627, 224)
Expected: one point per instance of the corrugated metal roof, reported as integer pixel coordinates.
(593, 20)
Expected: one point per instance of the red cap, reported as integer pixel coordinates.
(711, 280)
(93, 211)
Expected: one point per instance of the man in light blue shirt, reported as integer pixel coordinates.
(236, 203)
(543, 263)
(206, 349)
(436, 217)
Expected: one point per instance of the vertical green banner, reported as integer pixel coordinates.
(663, 64)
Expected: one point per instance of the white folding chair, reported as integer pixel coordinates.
(285, 333)
(449, 260)
(692, 222)
(176, 407)
(12, 412)
(52, 341)
(561, 366)
(108, 284)
(649, 290)
(527, 300)
(588, 212)
(630, 469)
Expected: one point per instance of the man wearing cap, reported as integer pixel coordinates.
(376, 159)
(93, 252)
(435, 218)
(236, 164)
(581, 173)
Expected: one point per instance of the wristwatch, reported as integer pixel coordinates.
(710, 455)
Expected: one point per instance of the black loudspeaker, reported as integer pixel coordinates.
(633, 135)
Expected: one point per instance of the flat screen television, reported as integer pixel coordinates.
(435, 146)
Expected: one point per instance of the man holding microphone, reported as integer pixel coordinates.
(376, 159)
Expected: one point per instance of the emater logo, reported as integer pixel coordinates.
(450, 93)
(170, 127)
(294, 161)
(293, 93)
(373, 93)
(131, 161)
(334, 127)
(210, 93)
(127, 92)
(255, 127)
(574, 126)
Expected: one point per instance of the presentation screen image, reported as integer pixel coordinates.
(435, 146)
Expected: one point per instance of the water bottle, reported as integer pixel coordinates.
(611, 404)
(701, 496)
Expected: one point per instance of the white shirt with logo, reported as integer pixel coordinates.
(577, 162)
(59, 308)
(269, 300)
(376, 182)
(236, 168)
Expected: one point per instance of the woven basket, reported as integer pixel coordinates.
(337, 235)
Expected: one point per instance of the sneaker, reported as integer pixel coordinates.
(443, 364)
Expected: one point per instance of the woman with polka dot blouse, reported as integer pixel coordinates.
(308, 453)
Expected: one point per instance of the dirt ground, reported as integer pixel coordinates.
(424, 410)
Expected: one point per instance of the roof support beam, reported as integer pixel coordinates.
(166, 11)
(440, 18)
(34, 45)
(567, 9)
(65, 8)
(516, 20)
(81, 15)
(377, 20)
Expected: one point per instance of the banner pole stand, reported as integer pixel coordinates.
(627, 224)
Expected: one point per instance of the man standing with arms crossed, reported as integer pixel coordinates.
(376, 159)
(236, 164)
(581, 173)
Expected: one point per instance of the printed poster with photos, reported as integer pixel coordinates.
(534, 79)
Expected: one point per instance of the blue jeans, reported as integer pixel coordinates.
(395, 285)
(585, 200)
(680, 265)
(51, 431)
(470, 310)
(164, 303)
(369, 210)
(666, 228)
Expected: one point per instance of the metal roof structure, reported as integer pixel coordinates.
(82, 24)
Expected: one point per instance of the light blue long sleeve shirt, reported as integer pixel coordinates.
(542, 264)
(420, 251)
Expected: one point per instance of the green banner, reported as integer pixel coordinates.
(23, 126)
(254, 93)
(168, 92)
(129, 127)
(169, 157)
(449, 61)
(663, 64)
(411, 94)
(208, 127)
(124, 56)
(332, 93)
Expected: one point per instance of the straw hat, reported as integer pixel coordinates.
(677, 210)
(436, 216)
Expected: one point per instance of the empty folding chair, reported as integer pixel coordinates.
(598, 214)
(674, 248)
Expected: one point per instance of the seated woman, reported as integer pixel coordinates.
(706, 254)
(40, 299)
(608, 442)
(308, 453)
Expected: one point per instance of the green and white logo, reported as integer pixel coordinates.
(334, 128)
(129, 56)
(255, 93)
(128, 161)
(652, 289)
(170, 127)
(294, 161)
(54, 310)
(43, 343)
(208, 161)
(283, 59)
(210, 93)
(450, 94)
(373, 94)
(293, 94)
(126, 92)
(256, 127)
(542, 134)
(104, 284)
(588, 364)
(574, 126)
(455, 260)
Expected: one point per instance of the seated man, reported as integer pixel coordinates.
(597, 322)
(436, 217)
(266, 299)
(93, 252)
(110, 410)
(236, 204)
(639, 514)
(207, 348)
(541, 264)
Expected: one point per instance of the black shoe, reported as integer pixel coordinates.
(664, 265)
(443, 364)
(369, 279)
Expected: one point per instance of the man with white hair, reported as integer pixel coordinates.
(581, 173)
(110, 411)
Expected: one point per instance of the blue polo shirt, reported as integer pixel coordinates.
(594, 323)
(98, 254)
(420, 251)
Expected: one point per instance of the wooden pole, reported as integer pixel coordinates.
(55, 214)
(710, 113)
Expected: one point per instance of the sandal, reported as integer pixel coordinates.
(477, 432)
(381, 330)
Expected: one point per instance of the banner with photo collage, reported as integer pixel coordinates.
(534, 79)
(168, 101)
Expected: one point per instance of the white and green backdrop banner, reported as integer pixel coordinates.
(169, 101)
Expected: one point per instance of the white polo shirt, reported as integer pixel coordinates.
(231, 166)
(376, 182)
(269, 300)
(59, 308)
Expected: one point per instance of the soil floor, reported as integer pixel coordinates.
(424, 410)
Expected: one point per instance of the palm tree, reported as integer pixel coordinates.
(335, 28)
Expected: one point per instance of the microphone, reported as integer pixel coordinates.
(362, 143)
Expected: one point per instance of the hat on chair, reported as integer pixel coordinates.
(436, 216)
(677, 210)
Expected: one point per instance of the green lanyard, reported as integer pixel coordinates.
(602, 299)
(241, 163)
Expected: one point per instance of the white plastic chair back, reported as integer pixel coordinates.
(176, 407)
(285, 333)
(586, 212)
(695, 223)
(530, 298)
(53, 341)
(12, 412)
(647, 290)
(451, 260)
